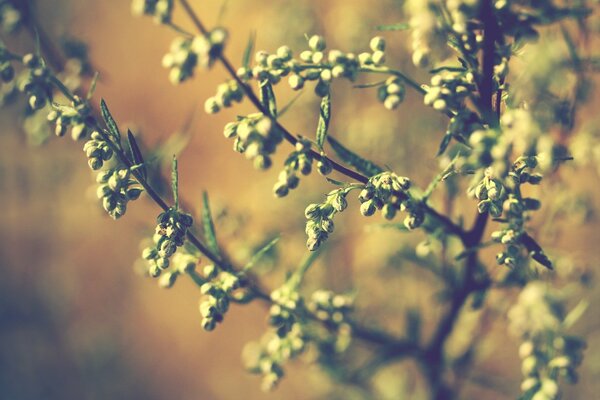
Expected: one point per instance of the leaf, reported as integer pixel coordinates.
(439, 178)
(536, 251)
(334, 182)
(289, 104)
(325, 116)
(260, 253)
(444, 144)
(401, 26)
(267, 97)
(363, 166)
(248, 51)
(575, 314)
(369, 85)
(92, 88)
(209, 226)
(113, 129)
(136, 154)
(175, 182)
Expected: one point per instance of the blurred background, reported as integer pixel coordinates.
(77, 322)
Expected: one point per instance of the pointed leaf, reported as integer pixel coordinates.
(289, 104)
(248, 50)
(209, 226)
(136, 154)
(267, 97)
(325, 116)
(175, 182)
(113, 129)
(260, 253)
(362, 165)
(444, 144)
(401, 26)
(92, 88)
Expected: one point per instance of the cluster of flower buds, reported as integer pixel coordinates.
(391, 93)
(187, 53)
(181, 60)
(448, 90)
(97, 151)
(116, 190)
(285, 342)
(160, 9)
(227, 93)
(491, 194)
(171, 230)
(514, 207)
(376, 56)
(256, 137)
(301, 161)
(461, 11)
(75, 116)
(217, 292)
(286, 300)
(313, 65)
(10, 17)
(319, 217)
(428, 37)
(181, 263)
(388, 192)
(268, 357)
(330, 307)
(546, 353)
(34, 82)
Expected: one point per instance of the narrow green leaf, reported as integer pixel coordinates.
(324, 117)
(363, 166)
(289, 104)
(248, 51)
(439, 178)
(113, 129)
(209, 226)
(575, 314)
(334, 182)
(136, 154)
(444, 143)
(536, 251)
(175, 182)
(267, 97)
(92, 88)
(401, 26)
(369, 85)
(296, 278)
(260, 253)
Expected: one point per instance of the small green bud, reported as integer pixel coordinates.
(167, 280)
(322, 88)
(378, 58)
(388, 211)
(211, 106)
(281, 189)
(377, 44)
(312, 211)
(208, 324)
(339, 203)
(324, 166)
(368, 208)
(296, 82)
(316, 43)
